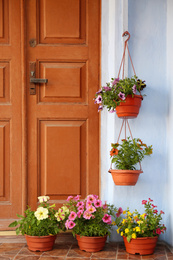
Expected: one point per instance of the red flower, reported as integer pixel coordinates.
(153, 206)
(150, 199)
(144, 201)
(155, 211)
(161, 212)
(120, 211)
(158, 231)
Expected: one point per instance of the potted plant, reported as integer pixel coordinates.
(40, 227)
(126, 156)
(141, 231)
(122, 96)
(90, 221)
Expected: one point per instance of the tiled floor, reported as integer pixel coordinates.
(65, 248)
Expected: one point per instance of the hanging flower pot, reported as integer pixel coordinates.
(91, 244)
(40, 244)
(130, 108)
(125, 177)
(141, 245)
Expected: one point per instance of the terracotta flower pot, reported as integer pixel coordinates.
(44, 243)
(141, 245)
(91, 244)
(125, 177)
(129, 108)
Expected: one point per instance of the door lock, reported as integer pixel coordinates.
(33, 80)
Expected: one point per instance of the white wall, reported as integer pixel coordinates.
(149, 24)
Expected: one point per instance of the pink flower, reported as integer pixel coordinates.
(66, 223)
(134, 89)
(105, 206)
(120, 211)
(144, 201)
(161, 212)
(88, 204)
(69, 198)
(77, 198)
(98, 99)
(150, 199)
(158, 231)
(107, 219)
(153, 206)
(79, 213)
(72, 215)
(71, 224)
(91, 209)
(91, 198)
(122, 96)
(81, 208)
(112, 110)
(115, 81)
(98, 203)
(155, 211)
(87, 215)
(96, 196)
(80, 203)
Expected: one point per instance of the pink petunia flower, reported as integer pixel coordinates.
(79, 213)
(122, 96)
(91, 198)
(88, 204)
(158, 231)
(134, 89)
(155, 211)
(77, 198)
(120, 211)
(150, 200)
(96, 197)
(80, 204)
(91, 209)
(105, 206)
(98, 203)
(69, 198)
(161, 212)
(112, 110)
(81, 208)
(153, 206)
(71, 224)
(66, 223)
(107, 219)
(115, 81)
(72, 215)
(87, 215)
(98, 99)
(144, 201)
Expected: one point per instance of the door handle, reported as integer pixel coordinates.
(38, 81)
(33, 80)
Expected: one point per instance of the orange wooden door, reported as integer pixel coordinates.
(63, 46)
(11, 189)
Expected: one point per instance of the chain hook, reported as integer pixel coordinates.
(125, 34)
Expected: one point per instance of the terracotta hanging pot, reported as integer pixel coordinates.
(129, 108)
(125, 177)
(141, 245)
(40, 244)
(91, 244)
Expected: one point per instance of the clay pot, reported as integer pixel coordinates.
(40, 244)
(91, 244)
(125, 177)
(141, 245)
(129, 108)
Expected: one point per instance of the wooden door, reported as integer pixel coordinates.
(63, 46)
(11, 178)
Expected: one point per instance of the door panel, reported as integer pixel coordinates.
(63, 155)
(10, 112)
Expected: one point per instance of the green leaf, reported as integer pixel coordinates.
(13, 224)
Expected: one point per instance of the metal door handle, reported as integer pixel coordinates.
(33, 80)
(38, 81)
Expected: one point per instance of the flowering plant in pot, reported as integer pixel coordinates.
(90, 219)
(140, 231)
(118, 93)
(41, 225)
(126, 156)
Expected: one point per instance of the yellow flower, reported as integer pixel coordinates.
(118, 230)
(121, 233)
(124, 221)
(129, 213)
(124, 212)
(126, 230)
(143, 216)
(129, 218)
(139, 222)
(138, 229)
(113, 223)
(134, 229)
(134, 235)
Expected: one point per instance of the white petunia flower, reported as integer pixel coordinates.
(41, 213)
(43, 198)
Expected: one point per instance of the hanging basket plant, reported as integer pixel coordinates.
(126, 156)
(122, 96)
